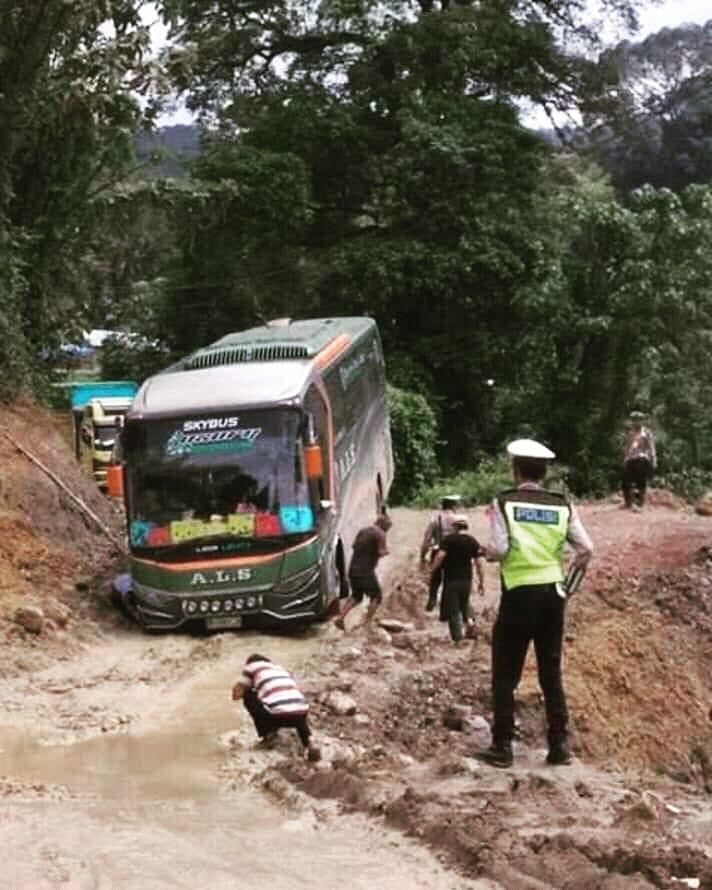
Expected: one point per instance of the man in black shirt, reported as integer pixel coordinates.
(368, 547)
(458, 551)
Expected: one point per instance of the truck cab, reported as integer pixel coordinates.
(101, 421)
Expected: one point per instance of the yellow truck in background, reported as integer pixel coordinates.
(98, 409)
(99, 430)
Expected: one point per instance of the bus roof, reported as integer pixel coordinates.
(281, 339)
(266, 365)
(221, 388)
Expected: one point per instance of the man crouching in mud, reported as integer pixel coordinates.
(273, 700)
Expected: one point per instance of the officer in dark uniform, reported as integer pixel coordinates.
(529, 528)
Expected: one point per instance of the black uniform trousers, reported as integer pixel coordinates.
(266, 723)
(635, 480)
(528, 613)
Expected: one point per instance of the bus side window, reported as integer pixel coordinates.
(316, 408)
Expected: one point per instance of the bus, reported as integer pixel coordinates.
(248, 468)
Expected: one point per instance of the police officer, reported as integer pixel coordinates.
(640, 460)
(529, 528)
(439, 526)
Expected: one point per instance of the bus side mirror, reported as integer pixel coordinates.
(115, 481)
(325, 505)
(313, 462)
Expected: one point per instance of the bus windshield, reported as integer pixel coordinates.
(237, 477)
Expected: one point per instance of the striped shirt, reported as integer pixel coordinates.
(275, 688)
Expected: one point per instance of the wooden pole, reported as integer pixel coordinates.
(118, 544)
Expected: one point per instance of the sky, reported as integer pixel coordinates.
(673, 12)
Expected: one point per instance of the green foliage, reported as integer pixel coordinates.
(414, 435)
(67, 121)
(476, 486)
(134, 358)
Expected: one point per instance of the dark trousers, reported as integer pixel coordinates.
(436, 579)
(266, 723)
(455, 606)
(533, 612)
(635, 476)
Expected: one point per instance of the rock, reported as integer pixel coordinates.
(340, 703)
(704, 505)
(406, 760)
(402, 641)
(362, 719)
(380, 635)
(582, 789)
(455, 716)
(82, 584)
(56, 611)
(30, 617)
(394, 626)
(648, 808)
(480, 730)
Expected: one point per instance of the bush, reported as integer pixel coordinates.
(414, 436)
(124, 358)
(478, 486)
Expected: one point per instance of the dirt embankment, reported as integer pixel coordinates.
(51, 553)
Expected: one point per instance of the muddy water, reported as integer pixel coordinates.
(146, 809)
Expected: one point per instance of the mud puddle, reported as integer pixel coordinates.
(146, 807)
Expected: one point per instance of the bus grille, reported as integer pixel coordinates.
(234, 354)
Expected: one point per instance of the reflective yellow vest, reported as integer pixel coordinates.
(538, 523)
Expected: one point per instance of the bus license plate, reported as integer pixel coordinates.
(223, 622)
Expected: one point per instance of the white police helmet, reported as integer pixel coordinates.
(531, 449)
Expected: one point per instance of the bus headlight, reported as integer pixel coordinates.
(251, 602)
(239, 603)
(227, 605)
(215, 606)
(204, 605)
(191, 607)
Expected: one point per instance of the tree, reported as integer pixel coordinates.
(419, 183)
(70, 75)
(658, 131)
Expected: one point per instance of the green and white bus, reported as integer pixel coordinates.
(248, 468)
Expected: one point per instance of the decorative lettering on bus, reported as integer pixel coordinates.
(346, 462)
(209, 441)
(220, 576)
(351, 369)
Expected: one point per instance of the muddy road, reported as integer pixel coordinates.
(124, 763)
(114, 775)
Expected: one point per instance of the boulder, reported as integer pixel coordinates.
(30, 617)
(704, 505)
(381, 635)
(340, 703)
(455, 716)
(392, 625)
(56, 611)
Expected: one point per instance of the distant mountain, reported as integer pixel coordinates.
(168, 151)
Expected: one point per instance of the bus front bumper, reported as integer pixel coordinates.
(228, 609)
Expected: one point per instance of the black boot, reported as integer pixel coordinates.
(499, 755)
(559, 754)
(432, 602)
